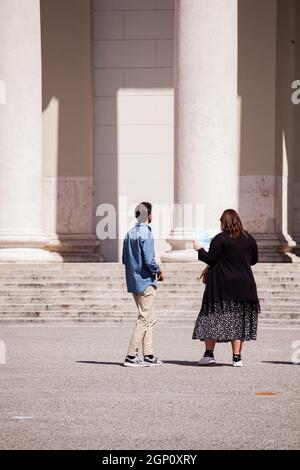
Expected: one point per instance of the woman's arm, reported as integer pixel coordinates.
(214, 253)
(254, 254)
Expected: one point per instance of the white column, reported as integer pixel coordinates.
(21, 235)
(206, 164)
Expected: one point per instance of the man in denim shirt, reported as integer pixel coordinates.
(142, 272)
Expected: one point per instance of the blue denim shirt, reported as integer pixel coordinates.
(139, 258)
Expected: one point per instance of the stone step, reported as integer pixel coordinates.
(81, 276)
(163, 288)
(121, 274)
(113, 293)
(121, 284)
(267, 322)
(166, 315)
(120, 306)
(127, 309)
(114, 273)
(122, 296)
(4, 267)
(77, 268)
(79, 271)
(116, 266)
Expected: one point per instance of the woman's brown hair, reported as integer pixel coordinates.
(232, 224)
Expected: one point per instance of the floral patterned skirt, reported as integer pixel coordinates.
(227, 320)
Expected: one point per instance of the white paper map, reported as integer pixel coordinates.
(204, 237)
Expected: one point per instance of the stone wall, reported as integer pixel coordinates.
(133, 74)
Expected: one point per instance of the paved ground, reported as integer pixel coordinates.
(63, 387)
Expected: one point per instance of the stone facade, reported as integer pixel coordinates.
(133, 100)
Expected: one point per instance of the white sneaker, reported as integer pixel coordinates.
(152, 362)
(237, 363)
(207, 361)
(135, 362)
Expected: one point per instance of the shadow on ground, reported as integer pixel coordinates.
(101, 363)
(184, 363)
(178, 363)
(282, 362)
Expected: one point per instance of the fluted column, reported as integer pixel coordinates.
(21, 235)
(206, 165)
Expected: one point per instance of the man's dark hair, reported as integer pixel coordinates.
(142, 211)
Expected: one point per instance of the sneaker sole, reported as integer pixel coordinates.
(237, 364)
(211, 363)
(154, 365)
(134, 365)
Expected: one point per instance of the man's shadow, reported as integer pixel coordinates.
(101, 363)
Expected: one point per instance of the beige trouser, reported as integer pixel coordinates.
(143, 330)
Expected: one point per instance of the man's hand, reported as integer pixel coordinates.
(196, 245)
(160, 276)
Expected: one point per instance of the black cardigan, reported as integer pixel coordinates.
(230, 275)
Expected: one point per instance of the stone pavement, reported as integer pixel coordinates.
(63, 388)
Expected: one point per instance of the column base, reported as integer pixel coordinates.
(276, 248)
(297, 247)
(182, 251)
(26, 255)
(179, 256)
(24, 246)
(272, 248)
(81, 248)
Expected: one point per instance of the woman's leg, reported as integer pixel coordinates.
(237, 345)
(210, 344)
(208, 358)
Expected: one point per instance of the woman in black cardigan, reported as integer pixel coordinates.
(230, 305)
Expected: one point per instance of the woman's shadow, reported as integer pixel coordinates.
(195, 364)
(287, 363)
